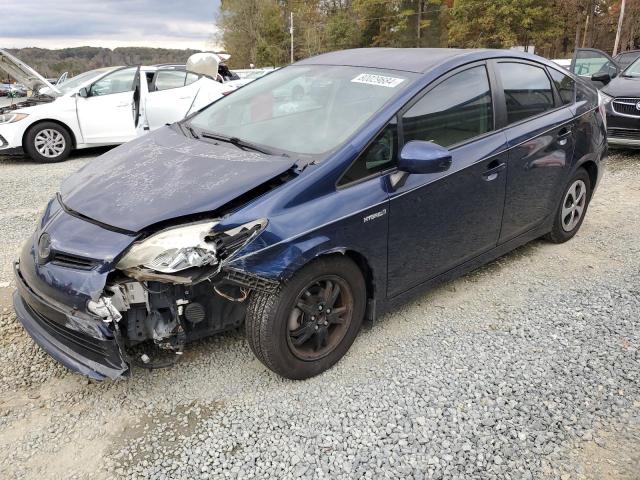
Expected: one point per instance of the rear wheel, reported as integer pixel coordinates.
(572, 209)
(48, 142)
(310, 322)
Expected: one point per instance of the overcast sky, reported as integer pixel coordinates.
(107, 23)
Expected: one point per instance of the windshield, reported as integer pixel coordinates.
(303, 109)
(633, 70)
(71, 84)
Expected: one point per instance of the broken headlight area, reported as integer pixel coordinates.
(174, 287)
(187, 247)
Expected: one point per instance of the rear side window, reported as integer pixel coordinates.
(166, 79)
(527, 90)
(456, 110)
(191, 77)
(565, 85)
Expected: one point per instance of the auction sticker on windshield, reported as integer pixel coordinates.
(379, 80)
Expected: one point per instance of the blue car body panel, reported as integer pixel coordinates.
(406, 238)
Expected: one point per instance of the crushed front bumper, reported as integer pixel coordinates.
(80, 342)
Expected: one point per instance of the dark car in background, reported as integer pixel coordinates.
(624, 59)
(619, 92)
(299, 215)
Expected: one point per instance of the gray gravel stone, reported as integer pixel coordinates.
(527, 368)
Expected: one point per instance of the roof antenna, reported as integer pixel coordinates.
(475, 45)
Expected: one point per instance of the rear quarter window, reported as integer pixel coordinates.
(565, 85)
(586, 92)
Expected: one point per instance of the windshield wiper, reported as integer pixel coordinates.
(193, 132)
(187, 128)
(242, 144)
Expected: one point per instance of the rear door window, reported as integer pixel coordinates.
(527, 90)
(191, 77)
(166, 79)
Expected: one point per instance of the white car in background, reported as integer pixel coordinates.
(107, 106)
(563, 62)
(248, 76)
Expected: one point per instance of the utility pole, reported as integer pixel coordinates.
(620, 20)
(291, 33)
(419, 21)
(586, 28)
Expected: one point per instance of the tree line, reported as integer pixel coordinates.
(52, 63)
(257, 31)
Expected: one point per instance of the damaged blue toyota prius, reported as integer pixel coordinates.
(320, 195)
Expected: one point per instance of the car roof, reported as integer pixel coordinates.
(417, 60)
(627, 51)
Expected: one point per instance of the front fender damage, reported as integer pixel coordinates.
(154, 315)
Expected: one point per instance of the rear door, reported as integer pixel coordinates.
(170, 97)
(110, 112)
(587, 62)
(536, 105)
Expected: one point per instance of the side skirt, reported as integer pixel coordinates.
(477, 262)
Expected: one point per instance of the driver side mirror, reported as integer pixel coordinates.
(601, 77)
(84, 92)
(418, 156)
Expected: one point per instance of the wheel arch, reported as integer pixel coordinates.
(367, 273)
(281, 264)
(592, 169)
(74, 141)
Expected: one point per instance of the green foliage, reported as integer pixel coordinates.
(500, 23)
(257, 31)
(253, 31)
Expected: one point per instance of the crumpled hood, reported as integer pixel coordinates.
(623, 87)
(164, 175)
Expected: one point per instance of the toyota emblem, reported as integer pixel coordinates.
(44, 247)
(638, 106)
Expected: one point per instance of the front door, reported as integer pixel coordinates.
(109, 112)
(438, 221)
(590, 62)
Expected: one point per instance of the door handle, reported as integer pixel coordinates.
(124, 104)
(563, 136)
(493, 170)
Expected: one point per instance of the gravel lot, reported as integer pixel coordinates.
(527, 368)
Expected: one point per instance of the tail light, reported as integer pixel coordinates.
(603, 101)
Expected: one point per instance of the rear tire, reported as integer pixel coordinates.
(572, 208)
(48, 142)
(294, 331)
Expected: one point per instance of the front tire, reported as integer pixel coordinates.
(48, 142)
(572, 208)
(311, 321)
